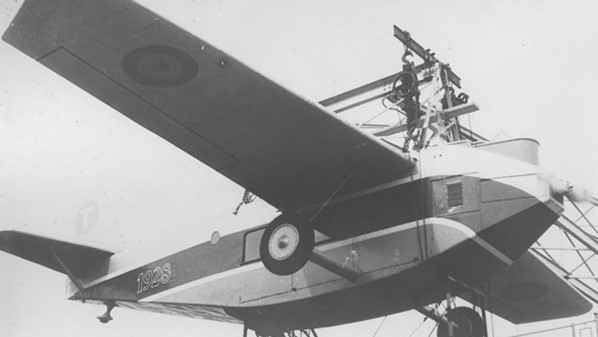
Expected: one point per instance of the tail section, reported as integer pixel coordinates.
(80, 262)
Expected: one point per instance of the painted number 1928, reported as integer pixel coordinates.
(152, 278)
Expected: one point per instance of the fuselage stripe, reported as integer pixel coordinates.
(470, 234)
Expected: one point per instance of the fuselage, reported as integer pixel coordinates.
(465, 212)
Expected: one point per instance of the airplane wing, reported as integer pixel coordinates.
(530, 291)
(288, 151)
(54, 253)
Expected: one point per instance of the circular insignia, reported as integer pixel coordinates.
(160, 66)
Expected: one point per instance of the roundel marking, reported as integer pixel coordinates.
(160, 66)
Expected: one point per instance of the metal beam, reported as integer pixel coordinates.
(449, 113)
(424, 54)
(582, 277)
(370, 87)
(560, 248)
(318, 258)
(578, 233)
(364, 93)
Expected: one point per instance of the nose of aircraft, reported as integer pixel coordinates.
(573, 192)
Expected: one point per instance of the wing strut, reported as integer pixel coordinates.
(334, 267)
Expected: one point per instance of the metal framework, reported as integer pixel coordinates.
(569, 248)
(583, 329)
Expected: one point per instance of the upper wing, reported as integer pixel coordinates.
(288, 151)
(529, 291)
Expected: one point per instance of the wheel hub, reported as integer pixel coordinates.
(283, 242)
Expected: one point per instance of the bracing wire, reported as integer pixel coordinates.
(394, 106)
(433, 329)
(379, 326)
(332, 196)
(419, 326)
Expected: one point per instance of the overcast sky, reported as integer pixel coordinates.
(530, 65)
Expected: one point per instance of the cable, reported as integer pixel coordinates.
(434, 328)
(419, 326)
(380, 113)
(332, 195)
(379, 326)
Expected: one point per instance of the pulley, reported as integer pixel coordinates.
(405, 84)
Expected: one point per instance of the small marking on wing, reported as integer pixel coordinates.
(160, 66)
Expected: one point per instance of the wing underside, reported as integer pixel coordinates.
(290, 152)
(529, 291)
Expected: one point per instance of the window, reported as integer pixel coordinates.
(251, 249)
(454, 192)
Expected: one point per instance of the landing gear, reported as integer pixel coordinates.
(468, 324)
(287, 244)
(282, 333)
(105, 317)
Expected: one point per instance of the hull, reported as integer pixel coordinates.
(416, 234)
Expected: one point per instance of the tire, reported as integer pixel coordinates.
(470, 324)
(286, 245)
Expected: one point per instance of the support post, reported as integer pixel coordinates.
(448, 310)
(334, 267)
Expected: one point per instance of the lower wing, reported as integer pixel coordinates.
(530, 291)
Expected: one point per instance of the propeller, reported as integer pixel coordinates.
(572, 192)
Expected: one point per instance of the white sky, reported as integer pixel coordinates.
(530, 65)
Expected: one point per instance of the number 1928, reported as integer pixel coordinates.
(152, 278)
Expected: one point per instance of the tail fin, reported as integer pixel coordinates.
(77, 260)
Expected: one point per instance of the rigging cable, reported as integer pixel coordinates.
(433, 329)
(419, 326)
(379, 326)
(380, 113)
(332, 195)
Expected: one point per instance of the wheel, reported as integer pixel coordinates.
(469, 322)
(286, 245)
(405, 84)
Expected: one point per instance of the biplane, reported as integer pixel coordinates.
(368, 227)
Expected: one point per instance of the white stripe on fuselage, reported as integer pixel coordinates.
(469, 233)
(439, 160)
